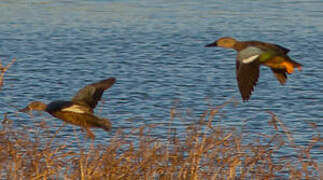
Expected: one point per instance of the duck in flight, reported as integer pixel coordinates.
(251, 55)
(78, 111)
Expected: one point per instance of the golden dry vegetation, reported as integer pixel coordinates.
(204, 152)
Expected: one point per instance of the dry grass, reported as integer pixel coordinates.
(3, 69)
(204, 152)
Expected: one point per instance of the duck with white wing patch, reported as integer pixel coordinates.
(251, 55)
(78, 111)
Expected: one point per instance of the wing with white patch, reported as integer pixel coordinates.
(69, 106)
(250, 59)
(75, 108)
(58, 106)
(247, 77)
(249, 54)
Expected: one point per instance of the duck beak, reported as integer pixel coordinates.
(212, 44)
(25, 110)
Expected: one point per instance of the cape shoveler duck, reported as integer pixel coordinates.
(78, 111)
(252, 54)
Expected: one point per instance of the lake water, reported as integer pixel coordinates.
(156, 51)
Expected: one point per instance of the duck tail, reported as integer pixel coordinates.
(104, 124)
(289, 65)
(296, 65)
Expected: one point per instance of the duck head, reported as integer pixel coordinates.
(224, 42)
(35, 105)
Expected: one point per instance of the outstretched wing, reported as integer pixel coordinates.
(247, 70)
(247, 77)
(91, 94)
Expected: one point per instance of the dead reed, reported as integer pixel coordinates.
(3, 69)
(204, 152)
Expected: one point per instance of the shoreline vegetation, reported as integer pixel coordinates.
(204, 151)
(3, 69)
